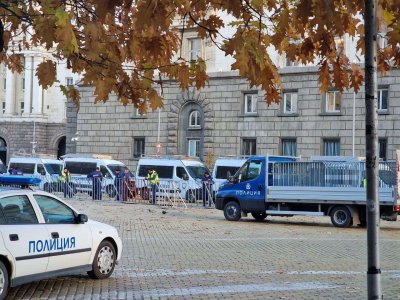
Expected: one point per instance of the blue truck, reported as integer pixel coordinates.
(286, 186)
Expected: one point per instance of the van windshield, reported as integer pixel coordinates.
(197, 172)
(53, 169)
(121, 168)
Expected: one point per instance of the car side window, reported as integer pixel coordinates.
(55, 212)
(181, 172)
(17, 210)
(41, 170)
(249, 170)
(105, 172)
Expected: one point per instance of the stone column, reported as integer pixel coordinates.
(10, 93)
(29, 77)
(37, 91)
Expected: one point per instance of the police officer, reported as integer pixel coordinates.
(97, 178)
(118, 183)
(153, 180)
(65, 179)
(207, 189)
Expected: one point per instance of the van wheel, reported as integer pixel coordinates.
(341, 217)
(110, 189)
(4, 282)
(259, 216)
(104, 261)
(232, 211)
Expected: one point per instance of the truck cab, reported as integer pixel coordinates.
(246, 190)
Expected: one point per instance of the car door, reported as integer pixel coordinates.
(24, 237)
(251, 186)
(73, 241)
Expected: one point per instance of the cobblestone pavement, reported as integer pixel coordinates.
(176, 253)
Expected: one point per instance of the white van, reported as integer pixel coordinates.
(225, 167)
(175, 173)
(47, 169)
(80, 165)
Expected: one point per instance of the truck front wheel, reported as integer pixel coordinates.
(341, 217)
(232, 211)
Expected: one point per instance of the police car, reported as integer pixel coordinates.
(41, 236)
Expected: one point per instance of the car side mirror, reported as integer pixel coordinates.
(81, 218)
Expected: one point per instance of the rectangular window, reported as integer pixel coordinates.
(290, 103)
(23, 83)
(331, 147)
(22, 106)
(289, 147)
(69, 81)
(383, 95)
(137, 114)
(194, 148)
(3, 107)
(138, 147)
(249, 146)
(250, 103)
(332, 102)
(165, 172)
(80, 168)
(194, 49)
(5, 83)
(26, 168)
(382, 144)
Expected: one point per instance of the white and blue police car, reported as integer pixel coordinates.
(41, 236)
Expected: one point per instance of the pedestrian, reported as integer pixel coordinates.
(207, 189)
(97, 178)
(65, 179)
(126, 185)
(118, 183)
(152, 176)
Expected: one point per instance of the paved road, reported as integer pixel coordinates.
(196, 254)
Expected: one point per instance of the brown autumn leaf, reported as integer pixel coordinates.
(47, 74)
(356, 77)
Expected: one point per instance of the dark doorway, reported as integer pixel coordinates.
(61, 147)
(3, 150)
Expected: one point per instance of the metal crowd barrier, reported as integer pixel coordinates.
(329, 174)
(168, 192)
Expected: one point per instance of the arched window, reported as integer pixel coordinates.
(194, 119)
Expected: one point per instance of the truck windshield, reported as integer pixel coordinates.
(53, 169)
(197, 172)
(122, 169)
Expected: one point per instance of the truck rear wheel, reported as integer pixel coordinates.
(341, 217)
(259, 216)
(232, 211)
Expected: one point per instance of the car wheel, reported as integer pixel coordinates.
(3, 281)
(232, 211)
(104, 261)
(341, 217)
(259, 216)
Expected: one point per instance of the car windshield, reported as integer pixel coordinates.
(122, 169)
(197, 172)
(53, 169)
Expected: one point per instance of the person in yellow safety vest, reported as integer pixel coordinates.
(65, 179)
(152, 177)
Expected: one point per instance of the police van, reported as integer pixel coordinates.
(225, 167)
(46, 168)
(42, 236)
(80, 165)
(176, 173)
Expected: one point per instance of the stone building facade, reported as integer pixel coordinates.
(29, 115)
(228, 117)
